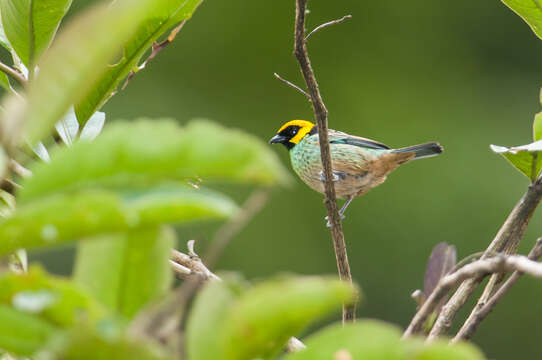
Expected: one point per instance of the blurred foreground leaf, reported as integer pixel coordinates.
(153, 26)
(22, 333)
(78, 57)
(68, 217)
(129, 154)
(376, 340)
(51, 298)
(208, 314)
(30, 25)
(530, 11)
(93, 344)
(126, 271)
(256, 323)
(365, 339)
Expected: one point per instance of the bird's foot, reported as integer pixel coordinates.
(328, 224)
(337, 175)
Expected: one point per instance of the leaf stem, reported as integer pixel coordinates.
(14, 74)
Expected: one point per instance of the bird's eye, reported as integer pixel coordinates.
(294, 131)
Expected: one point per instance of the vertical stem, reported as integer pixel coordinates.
(320, 113)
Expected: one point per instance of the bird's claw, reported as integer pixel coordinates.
(328, 224)
(336, 176)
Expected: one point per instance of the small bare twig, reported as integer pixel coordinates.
(477, 269)
(320, 113)
(155, 49)
(190, 265)
(11, 72)
(329, 23)
(481, 311)
(255, 202)
(293, 86)
(510, 233)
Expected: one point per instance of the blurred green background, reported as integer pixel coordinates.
(465, 73)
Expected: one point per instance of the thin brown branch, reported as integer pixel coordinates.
(477, 269)
(320, 113)
(293, 86)
(509, 234)
(155, 49)
(255, 202)
(190, 265)
(329, 23)
(481, 311)
(14, 74)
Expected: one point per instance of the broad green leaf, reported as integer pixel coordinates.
(442, 350)
(130, 154)
(51, 298)
(30, 25)
(365, 339)
(4, 42)
(63, 218)
(68, 217)
(265, 316)
(78, 57)
(537, 127)
(127, 271)
(4, 82)
(530, 11)
(526, 158)
(208, 314)
(22, 333)
(155, 24)
(91, 344)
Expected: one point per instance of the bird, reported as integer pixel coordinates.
(359, 164)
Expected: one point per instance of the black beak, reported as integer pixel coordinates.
(278, 139)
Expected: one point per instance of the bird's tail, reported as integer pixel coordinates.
(422, 150)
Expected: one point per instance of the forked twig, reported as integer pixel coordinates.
(480, 312)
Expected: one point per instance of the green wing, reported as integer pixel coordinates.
(337, 137)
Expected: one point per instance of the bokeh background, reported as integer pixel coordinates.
(465, 73)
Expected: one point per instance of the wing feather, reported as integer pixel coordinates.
(338, 137)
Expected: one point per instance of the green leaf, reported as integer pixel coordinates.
(526, 158)
(365, 339)
(126, 271)
(4, 82)
(130, 154)
(22, 333)
(51, 298)
(30, 25)
(441, 350)
(156, 23)
(530, 11)
(537, 127)
(4, 42)
(208, 314)
(91, 344)
(67, 217)
(265, 316)
(79, 56)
